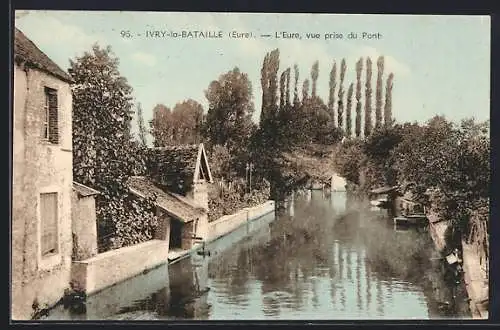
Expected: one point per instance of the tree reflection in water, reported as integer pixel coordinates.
(323, 257)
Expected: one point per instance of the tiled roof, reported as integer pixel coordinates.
(26, 50)
(83, 190)
(174, 166)
(181, 208)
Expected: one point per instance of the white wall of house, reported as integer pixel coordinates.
(39, 167)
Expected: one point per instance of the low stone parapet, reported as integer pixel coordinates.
(111, 267)
(229, 223)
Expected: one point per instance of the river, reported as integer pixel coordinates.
(320, 258)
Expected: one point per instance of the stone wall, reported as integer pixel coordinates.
(114, 266)
(39, 167)
(84, 227)
(228, 223)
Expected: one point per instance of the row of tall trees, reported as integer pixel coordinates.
(303, 119)
(106, 153)
(343, 112)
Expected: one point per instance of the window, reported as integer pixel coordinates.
(48, 224)
(50, 122)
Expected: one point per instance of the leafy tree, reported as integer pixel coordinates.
(452, 159)
(229, 118)
(181, 125)
(388, 100)
(187, 119)
(359, 68)
(368, 98)
(104, 155)
(348, 118)
(379, 95)
(340, 110)
(348, 160)
(160, 126)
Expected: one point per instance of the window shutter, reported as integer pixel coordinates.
(53, 117)
(49, 233)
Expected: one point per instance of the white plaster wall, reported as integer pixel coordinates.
(39, 167)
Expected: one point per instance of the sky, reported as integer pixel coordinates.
(441, 64)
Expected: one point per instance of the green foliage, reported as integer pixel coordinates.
(182, 125)
(331, 95)
(104, 155)
(305, 90)
(340, 109)
(314, 77)
(359, 69)
(296, 85)
(348, 117)
(228, 121)
(443, 165)
(269, 84)
(454, 160)
(378, 99)
(226, 200)
(388, 100)
(348, 160)
(368, 98)
(220, 162)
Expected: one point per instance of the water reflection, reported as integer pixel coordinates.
(321, 258)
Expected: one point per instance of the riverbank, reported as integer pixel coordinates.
(475, 275)
(112, 267)
(224, 226)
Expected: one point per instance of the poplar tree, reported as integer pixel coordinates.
(379, 95)
(388, 100)
(368, 98)
(340, 110)
(348, 119)
(305, 90)
(331, 97)
(314, 77)
(282, 90)
(287, 87)
(296, 85)
(359, 69)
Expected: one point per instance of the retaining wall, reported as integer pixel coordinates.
(228, 223)
(114, 266)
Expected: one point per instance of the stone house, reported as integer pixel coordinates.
(178, 177)
(42, 180)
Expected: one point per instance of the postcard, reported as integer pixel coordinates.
(249, 166)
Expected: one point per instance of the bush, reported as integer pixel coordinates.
(225, 199)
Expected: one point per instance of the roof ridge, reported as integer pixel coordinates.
(183, 199)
